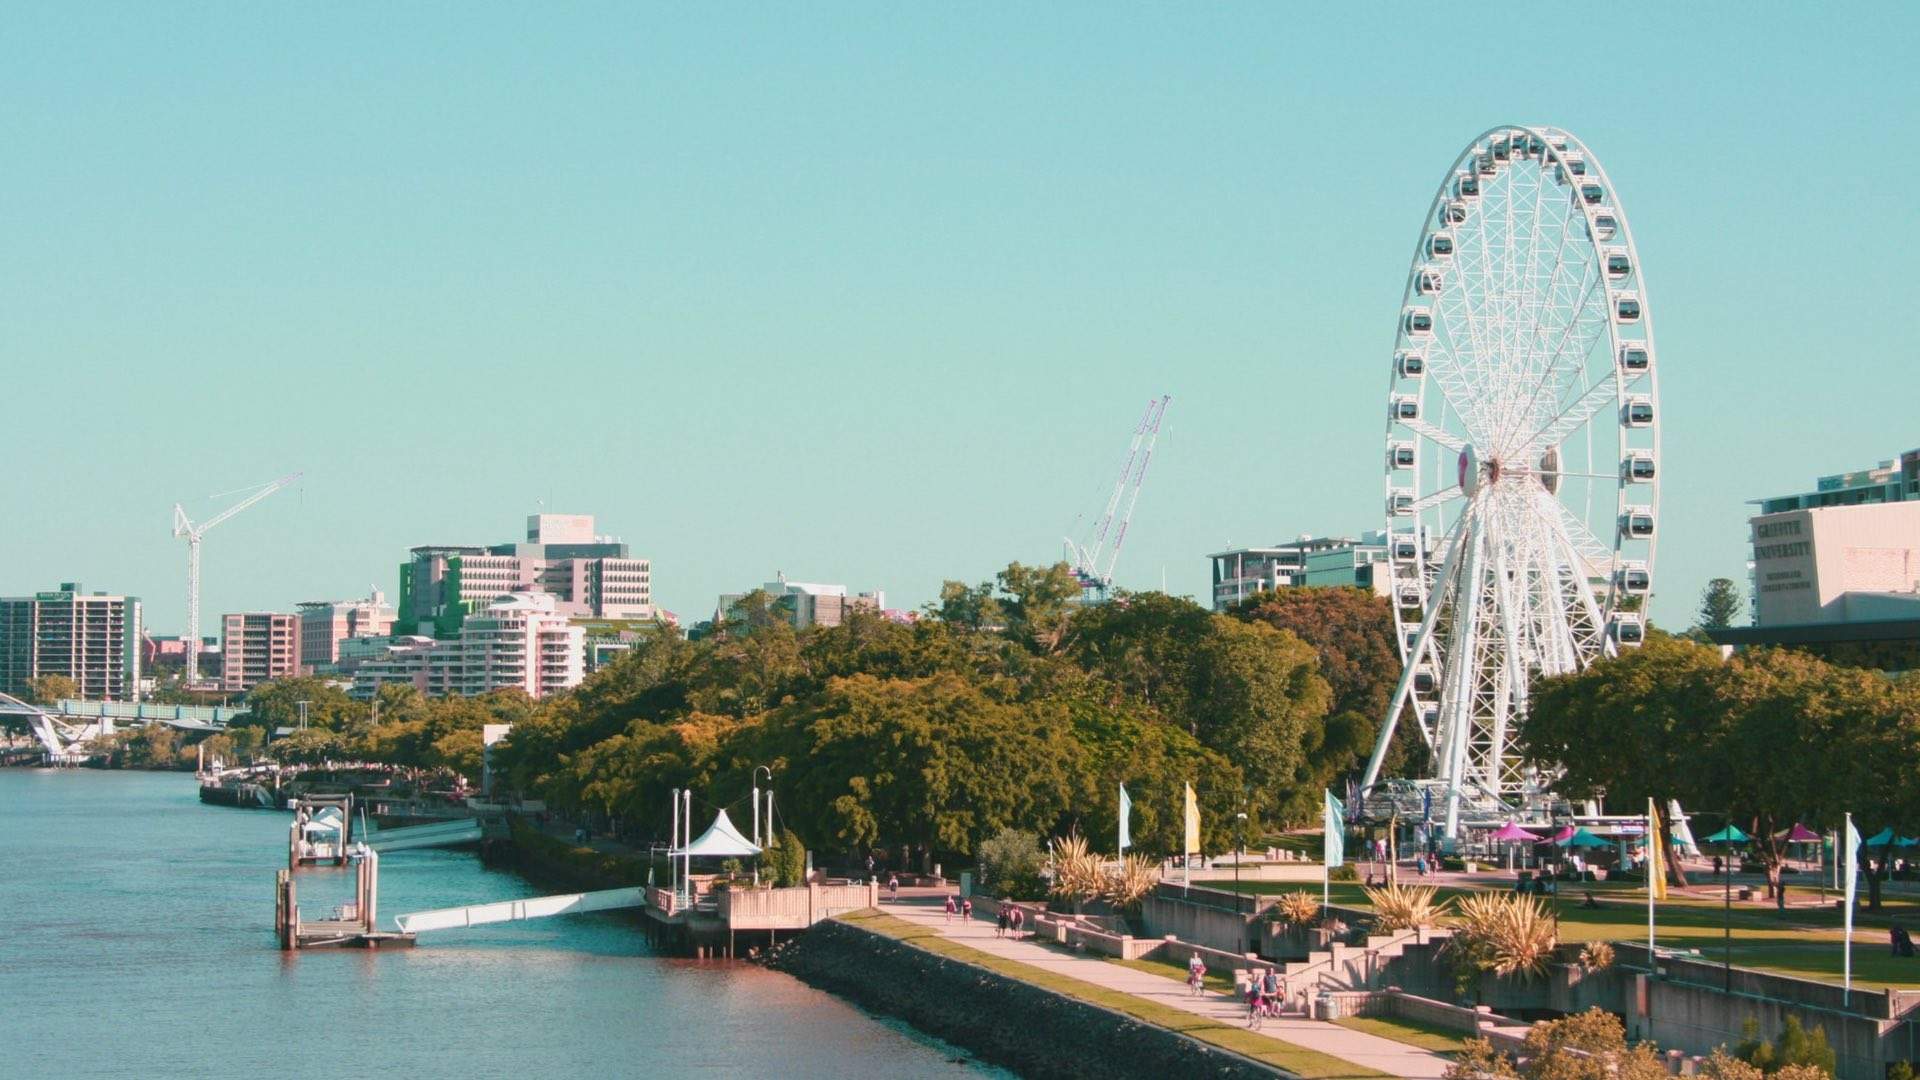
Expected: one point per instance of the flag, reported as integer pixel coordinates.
(1656, 856)
(1852, 870)
(1192, 840)
(1126, 813)
(1334, 828)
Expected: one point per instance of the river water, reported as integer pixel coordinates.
(136, 939)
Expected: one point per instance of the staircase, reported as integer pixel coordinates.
(1353, 967)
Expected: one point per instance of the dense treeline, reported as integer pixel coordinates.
(1010, 706)
(1770, 737)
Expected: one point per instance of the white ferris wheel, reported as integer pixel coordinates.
(1522, 459)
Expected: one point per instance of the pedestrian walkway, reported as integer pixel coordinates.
(1358, 1047)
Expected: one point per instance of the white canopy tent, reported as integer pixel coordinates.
(721, 841)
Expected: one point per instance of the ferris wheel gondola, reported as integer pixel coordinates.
(1522, 456)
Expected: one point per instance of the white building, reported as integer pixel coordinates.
(1837, 564)
(809, 603)
(519, 641)
(1309, 561)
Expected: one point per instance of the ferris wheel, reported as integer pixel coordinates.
(1522, 457)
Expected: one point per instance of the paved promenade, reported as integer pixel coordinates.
(1358, 1047)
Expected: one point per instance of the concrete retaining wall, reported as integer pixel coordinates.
(1032, 1031)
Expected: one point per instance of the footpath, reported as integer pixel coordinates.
(1357, 1047)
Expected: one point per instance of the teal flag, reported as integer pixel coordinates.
(1335, 827)
(1126, 814)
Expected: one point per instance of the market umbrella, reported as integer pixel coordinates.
(1562, 835)
(1879, 839)
(1729, 835)
(1905, 841)
(1512, 833)
(1800, 834)
(1583, 838)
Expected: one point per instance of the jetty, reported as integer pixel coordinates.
(349, 926)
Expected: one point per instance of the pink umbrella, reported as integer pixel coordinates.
(1564, 834)
(1800, 834)
(1513, 834)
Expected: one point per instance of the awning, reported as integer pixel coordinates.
(720, 841)
(1879, 839)
(1800, 834)
(1511, 833)
(1729, 835)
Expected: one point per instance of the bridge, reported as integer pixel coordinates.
(184, 717)
(63, 741)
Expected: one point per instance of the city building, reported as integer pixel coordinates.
(326, 624)
(588, 576)
(1896, 480)
(257, 647)
(1838, 568)
(91, 638)
(1316, 561)
(808, 603)
(519, 641)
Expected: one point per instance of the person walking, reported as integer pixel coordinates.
(966, 908)
(950, 907)
(1000, 923)
(893, 886)
(1019, 919)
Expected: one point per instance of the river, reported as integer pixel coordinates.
(136, 940)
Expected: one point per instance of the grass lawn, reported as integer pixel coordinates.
(1177, 972)
(1412, 1032)
(1309, 1064)
(1803, 942)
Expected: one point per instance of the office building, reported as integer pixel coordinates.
(588, 576)
(326, 624)
(257, 647)
(1895, 480)
(1309, 561)
(808, 603)
(91, 638)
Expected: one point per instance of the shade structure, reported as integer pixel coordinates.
(1905, 841)
(1562, 834)
(1583, 838)
(1799, 834)
(1729, 835)
(720, 841)
(1879, 839)
(1511, 833)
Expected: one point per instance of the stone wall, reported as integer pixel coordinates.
(1034, 1032)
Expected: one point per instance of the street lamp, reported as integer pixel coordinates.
(1240, 853)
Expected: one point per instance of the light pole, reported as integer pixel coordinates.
(758, 841)
(302, 706)
(1240, 852)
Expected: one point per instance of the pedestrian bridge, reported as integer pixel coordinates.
(538, 907)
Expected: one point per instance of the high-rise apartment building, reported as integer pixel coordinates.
(257, 647)
(1308, 561)
(520, 641)
(93, 639)
(325, 624)
(588, 576)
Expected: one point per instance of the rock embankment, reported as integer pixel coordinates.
(1023, 1027)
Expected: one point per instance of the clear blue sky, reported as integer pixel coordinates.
(873, 294)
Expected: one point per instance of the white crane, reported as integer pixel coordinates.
(1085, 558)
(183, 526)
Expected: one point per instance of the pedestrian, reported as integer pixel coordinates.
(1019, 918)
(893, 886)
(1000, 924)
(950, 908)
(966, 908)
(1196, 973)
(869, 866)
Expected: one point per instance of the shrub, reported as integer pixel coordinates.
(1507, 934)
(1596, 955)
(1402, 907)
(1298, 908)
(1078, 874)
(1010, 863)
(1132, 881)
(1343, 872)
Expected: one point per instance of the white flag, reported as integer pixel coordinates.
(1126, 814)
(1851, 867)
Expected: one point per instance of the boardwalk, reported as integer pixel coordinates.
(1360, 1048)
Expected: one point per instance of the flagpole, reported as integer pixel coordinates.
(1846, 966)
(1653, 867)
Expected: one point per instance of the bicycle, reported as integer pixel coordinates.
(1256, 1010)
(1196, 981)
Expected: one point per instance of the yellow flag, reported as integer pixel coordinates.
(1193, 823)
(1656, 855)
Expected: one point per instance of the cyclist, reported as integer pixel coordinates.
(1196, 974)
(1256, 1003)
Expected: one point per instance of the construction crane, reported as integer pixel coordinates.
(184, 527)
(1085, 558)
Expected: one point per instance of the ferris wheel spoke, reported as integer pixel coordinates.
(1435, 435)
(1577, 412)
(1438, 498)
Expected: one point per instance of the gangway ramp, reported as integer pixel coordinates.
(538, 907)
(438, 834)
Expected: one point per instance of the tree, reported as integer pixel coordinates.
(49, 689)
(1039, 611)
(1351, 631)
(1587, 1046)
(275, 704)
(786, 860)
(1719, 604)
(1260, 701)
(971, 606)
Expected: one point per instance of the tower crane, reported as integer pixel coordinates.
(184, 527)
(1085, 558)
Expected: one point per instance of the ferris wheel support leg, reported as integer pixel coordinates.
(1413, 654)
(1456, 700)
